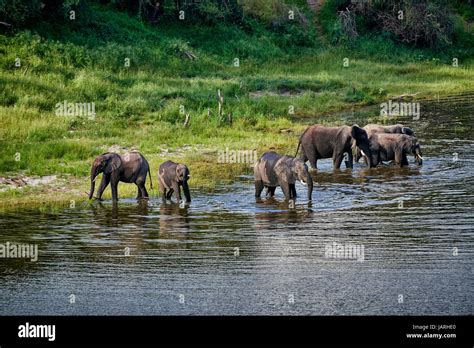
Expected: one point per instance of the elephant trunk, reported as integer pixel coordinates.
(358, 154)
(367, 153)
(370, 161)
(186, 191)
(310, 187)
(418, 157)
(93, 177)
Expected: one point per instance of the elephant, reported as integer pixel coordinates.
(131, 167)
(172, 176)
(387, 147)
(392, 129)
(319, 142)
(376, 128)
(272, 170)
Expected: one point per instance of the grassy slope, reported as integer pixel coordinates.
(139, 106)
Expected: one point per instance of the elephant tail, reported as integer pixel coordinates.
(151, 182)
(298, 148)
(299, 141)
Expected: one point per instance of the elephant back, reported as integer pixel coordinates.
(264, 169)
(133, 165)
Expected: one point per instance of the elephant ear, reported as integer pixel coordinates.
(283, 171)
(182, 172)
(358, 133)
(415, 144)
(113, 163)
(298, 167)
(407, 131)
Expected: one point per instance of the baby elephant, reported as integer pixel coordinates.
(172, 176)
(273, 170)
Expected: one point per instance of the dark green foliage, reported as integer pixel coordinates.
(28, 13)
(18, 12)
(417, 23)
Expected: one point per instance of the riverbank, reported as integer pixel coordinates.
(244, 90)
(211, 165)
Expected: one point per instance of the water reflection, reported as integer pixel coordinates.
(173, 218)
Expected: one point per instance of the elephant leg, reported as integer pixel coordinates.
(258, 188)
(177, 191)
(271, 191)
(398, 158)
(311, 154)
(163, 193)
(376, 160)
(303, 157)
(285, 188)
(114, 185)
(404, 161)
(169, 194)
(142, 189)
(139, 193)
(103, 184)
(337, 160)
(292, 190)
(142, 192)
(350, 162)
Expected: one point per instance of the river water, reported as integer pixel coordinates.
(411, 231)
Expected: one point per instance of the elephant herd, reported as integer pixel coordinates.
(374, 143)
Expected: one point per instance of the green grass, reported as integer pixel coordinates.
(139, 106)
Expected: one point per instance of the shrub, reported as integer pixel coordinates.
(421, 23)
(17, 12)
(20, 13)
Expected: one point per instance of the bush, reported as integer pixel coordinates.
(26, 13)
(421, 23)
(18, 12)
(181, 49)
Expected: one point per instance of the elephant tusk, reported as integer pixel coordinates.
(419, 157)
(305, 184)
(94, 179)
(363, 153)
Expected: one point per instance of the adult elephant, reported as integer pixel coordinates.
(172, 176)
(372, 128)
(272, 170)
(391, 129)
(388, 147)
(319, 142)
(131, 167)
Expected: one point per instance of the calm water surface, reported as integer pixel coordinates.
(228, 254)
